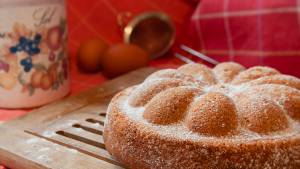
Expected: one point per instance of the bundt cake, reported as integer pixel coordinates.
(197, 117)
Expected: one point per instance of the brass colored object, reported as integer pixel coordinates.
(153, 31)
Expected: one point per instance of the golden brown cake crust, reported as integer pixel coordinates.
(138, 146)
(249, 121)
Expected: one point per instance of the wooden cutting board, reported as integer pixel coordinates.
(66, 134)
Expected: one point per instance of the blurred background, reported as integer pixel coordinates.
(251, 32)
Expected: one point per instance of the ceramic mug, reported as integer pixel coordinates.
(33, 52)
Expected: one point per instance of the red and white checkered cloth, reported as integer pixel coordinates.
(251, 32)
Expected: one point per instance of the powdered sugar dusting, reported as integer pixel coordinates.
(227, 89)
(231, 90)
(52, 131)
(259, 137)
(136, 114)
(180, 131)
(40, 150)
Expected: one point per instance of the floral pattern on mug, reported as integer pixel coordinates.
(22, 58)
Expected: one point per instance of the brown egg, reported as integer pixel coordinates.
(123, 58)
(90, 54)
